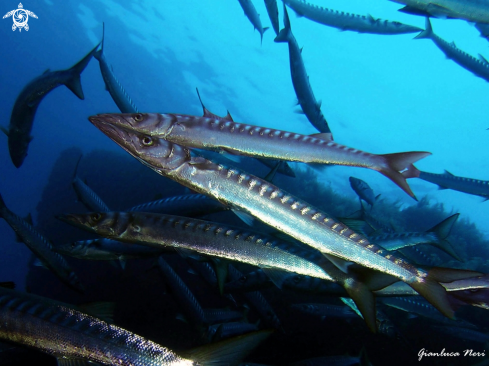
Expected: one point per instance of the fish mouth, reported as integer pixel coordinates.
(105, 123)
(114, 119)
(75, 220)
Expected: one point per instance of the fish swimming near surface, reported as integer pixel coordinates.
(272, 11)
(300, 80)
(363, 190)
(86, 195)
(471, 10)
(25, 107)
(41, 247)
(71, 336)
(251, 13)
(112, 84)
(277, 208)
(449, 181)
(240, 139)
(346, 21)
(478, 66)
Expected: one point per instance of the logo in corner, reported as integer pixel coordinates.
(20, 17)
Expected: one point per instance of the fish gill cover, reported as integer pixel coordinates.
(379, 93)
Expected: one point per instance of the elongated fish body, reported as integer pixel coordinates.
(253, 281)
(190, 205)
(67, 333)
(258, 302)
(112, 84)
(478, 66)
(107, 250)
(272, 11)
(182, 294)
(326, 310)
(449, 181)
(86, 195)
(276, 208)
(419, 256)
(214, 316)
(255, 141)
(25, 107)
(363, 190)
(436, 236)
(471, 10)
(300, 80)
(346, 21)
(41, 247)
(251, 13)
(204, 237)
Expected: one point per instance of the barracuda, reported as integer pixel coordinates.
(253, 16)
(225, 135)
(70, 335)
(346, 21)
(276, 208)
(41, 247)
(204, 237)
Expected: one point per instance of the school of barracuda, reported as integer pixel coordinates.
(282, 241)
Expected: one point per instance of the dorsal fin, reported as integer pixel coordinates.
(206, 111)
(448, 173)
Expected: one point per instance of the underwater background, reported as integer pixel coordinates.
(379, 93)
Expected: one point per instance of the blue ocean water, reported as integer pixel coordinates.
(380, 94)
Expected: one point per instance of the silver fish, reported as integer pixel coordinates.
(253, 16)
(435, 236)
(69, 334)
(204, 237)
(347, 21)
(191, 205)
(113, 86)
(449, 181)
(41, 247)
(227, 136)
(478, 66)
(471, 10)
(305, 96)
(25, 107)
(278, 209)
(86, 195)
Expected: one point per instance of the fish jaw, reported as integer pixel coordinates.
(155, 151)
(145, 123)
(103, 223)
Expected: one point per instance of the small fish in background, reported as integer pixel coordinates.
(300, 80)
(470, 10)
(86, 195)
(447, 180)
(25, 107)
(272, 10)
(112, 84)
(41, 247)
(478, 66)
(74, 337)
(251, 13)
(363, 190)
(348, 22)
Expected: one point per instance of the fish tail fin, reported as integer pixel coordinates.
(442, 230)
(228, 352)
(284, 34)
(365, 301)
(98, 54)
(428, 32)
(431, 289)
(395, 163)
(74, 82)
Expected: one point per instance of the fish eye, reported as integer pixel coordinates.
(138, 117)
(147, 141)
(95, 217)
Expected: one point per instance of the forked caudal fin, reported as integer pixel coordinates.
(442, 230)
(395, 163)
(428, 32)
(284, 34)
(429, 287)
(74, 82)
(229, 352)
